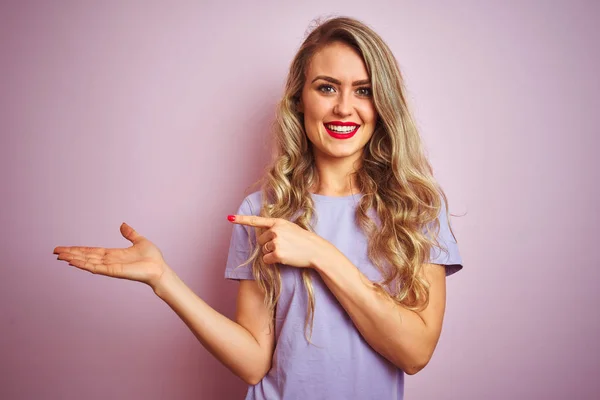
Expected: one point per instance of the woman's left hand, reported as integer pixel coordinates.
(284, 242)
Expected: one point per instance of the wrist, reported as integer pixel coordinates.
(165, 281)
(324, 254)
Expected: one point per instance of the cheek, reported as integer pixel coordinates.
(368, 114)
(315, 108)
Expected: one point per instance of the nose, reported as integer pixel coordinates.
(343, 106)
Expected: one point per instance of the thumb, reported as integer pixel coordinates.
(129, 233)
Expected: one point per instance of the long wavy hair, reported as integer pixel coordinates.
(395, 178)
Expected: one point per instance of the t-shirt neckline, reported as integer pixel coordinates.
(336, 199)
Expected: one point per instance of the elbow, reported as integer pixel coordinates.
(416, 365)
(251, 381)
(413, 369)
(256, 370)
(254, 377)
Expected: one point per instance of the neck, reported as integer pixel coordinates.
(337, 176)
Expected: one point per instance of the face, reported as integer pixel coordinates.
(339, 114)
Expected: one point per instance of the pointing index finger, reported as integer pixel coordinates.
(252, 220)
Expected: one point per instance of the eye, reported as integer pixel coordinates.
(326, 88)
(364, 91)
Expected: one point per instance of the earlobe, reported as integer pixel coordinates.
(299, 106)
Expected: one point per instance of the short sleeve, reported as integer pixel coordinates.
(448, 254)
(243, 240)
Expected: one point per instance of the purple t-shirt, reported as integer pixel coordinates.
(339, 364)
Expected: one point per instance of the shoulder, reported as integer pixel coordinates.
(251, 204)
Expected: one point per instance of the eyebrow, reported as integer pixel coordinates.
(337, 82)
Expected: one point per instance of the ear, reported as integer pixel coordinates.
(300, 105)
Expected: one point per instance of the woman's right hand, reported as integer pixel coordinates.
(142, 262)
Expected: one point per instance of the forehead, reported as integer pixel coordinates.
(337, 60)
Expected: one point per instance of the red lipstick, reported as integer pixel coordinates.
(341, 135)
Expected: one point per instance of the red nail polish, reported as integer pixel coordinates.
(231, 218)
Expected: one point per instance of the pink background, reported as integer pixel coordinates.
(157, 114)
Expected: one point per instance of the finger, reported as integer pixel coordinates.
(80, 250)
(66, 256)
(71, 257)
(96, 266)
(265, 237)
(270, 258)
(253, 220)
(97, 252)
(268, 247)
(91, 265)
(130, 234)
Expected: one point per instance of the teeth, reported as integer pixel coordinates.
(341, 129)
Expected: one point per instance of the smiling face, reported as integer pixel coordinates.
(339, 114)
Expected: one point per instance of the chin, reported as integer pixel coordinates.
(342, 153)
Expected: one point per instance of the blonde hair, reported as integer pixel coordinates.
(395, 178)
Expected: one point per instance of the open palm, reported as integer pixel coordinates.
(142, 262)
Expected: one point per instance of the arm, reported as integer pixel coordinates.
(406, 338)
(246, 346)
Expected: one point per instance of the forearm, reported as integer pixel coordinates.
(229, 342)
(398, 334)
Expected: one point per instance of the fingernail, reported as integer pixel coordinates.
(231, 218)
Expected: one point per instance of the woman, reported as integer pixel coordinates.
(342, 256)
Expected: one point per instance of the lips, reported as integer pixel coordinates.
(341, 130)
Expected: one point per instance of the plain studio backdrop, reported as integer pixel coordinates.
(158, 114)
